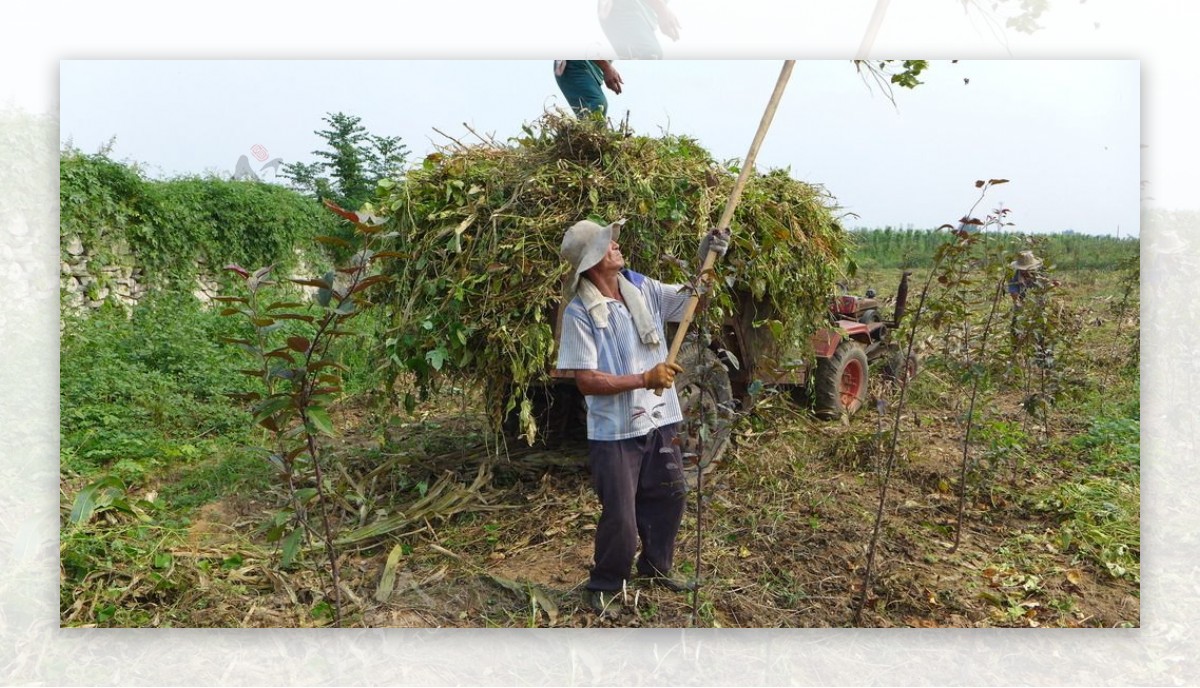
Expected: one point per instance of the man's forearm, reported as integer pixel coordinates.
(594, 382)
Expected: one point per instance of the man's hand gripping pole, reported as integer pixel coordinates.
(689, 310)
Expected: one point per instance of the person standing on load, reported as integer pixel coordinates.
(580, 81)
(613, 338)
(631, 26)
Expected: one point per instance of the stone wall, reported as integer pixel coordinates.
(87, 279)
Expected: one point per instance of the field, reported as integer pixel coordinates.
(172, 518)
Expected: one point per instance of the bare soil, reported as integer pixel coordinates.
(784, 542)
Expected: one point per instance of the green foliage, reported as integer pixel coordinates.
(1005, 447)
(137, 391)
(1099, 509)
(98, 197)
(888, 73)
(1111, 446)
(893, 248)
(105, 495)
(299, 379)
(228, 471)
(167, 226)
(478, 272)
(1025, 19)
(909, 71)
(350, 166)
(1099, 519)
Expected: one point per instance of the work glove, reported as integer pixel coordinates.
(716, 240)
(661, 376)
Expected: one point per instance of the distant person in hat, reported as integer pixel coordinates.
(614, 340)
(632, 26)
(580, 82)
(1026, 274)
(1029, 279)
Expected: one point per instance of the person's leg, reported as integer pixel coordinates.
(614, 467)
(631, 32)
(661, 499)
(580, 89)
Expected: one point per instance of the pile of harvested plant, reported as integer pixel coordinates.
(478, 228)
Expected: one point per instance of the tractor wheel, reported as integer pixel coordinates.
(706, 398)
(559, 411)
(898, 367)
(841, 382)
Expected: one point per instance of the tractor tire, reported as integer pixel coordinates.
(841, 382)
(706, 399)
(560, 412)
(898, 368)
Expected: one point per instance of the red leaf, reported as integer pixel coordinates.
(353, 217)
(281, 353)
(370, 282)
(238, 269)
(389, 254)
(298, 343)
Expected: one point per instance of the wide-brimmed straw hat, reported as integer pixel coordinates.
(584, 245)
(1026, 261)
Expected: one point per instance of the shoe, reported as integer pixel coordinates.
(604, 602)
(672, 583)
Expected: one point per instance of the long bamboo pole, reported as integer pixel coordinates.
(689, 311)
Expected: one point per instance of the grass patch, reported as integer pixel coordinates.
(1100, 521)
(1099, 509)
(230, 472)
(141, 392)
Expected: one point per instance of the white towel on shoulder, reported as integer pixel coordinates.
(597, 306)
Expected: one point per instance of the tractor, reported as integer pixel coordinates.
(724, 376)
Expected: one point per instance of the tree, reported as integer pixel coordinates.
(351, 164)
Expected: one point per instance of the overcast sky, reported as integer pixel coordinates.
(1066, 133)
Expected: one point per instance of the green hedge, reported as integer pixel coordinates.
(169, 225)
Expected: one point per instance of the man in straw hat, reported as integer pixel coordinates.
(1025, 275)
(613, 337)
(1028, 277)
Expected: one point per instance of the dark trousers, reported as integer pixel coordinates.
(642, 494)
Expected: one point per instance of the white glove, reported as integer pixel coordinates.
(716, 240)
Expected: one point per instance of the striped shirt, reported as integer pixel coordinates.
(618, 350)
